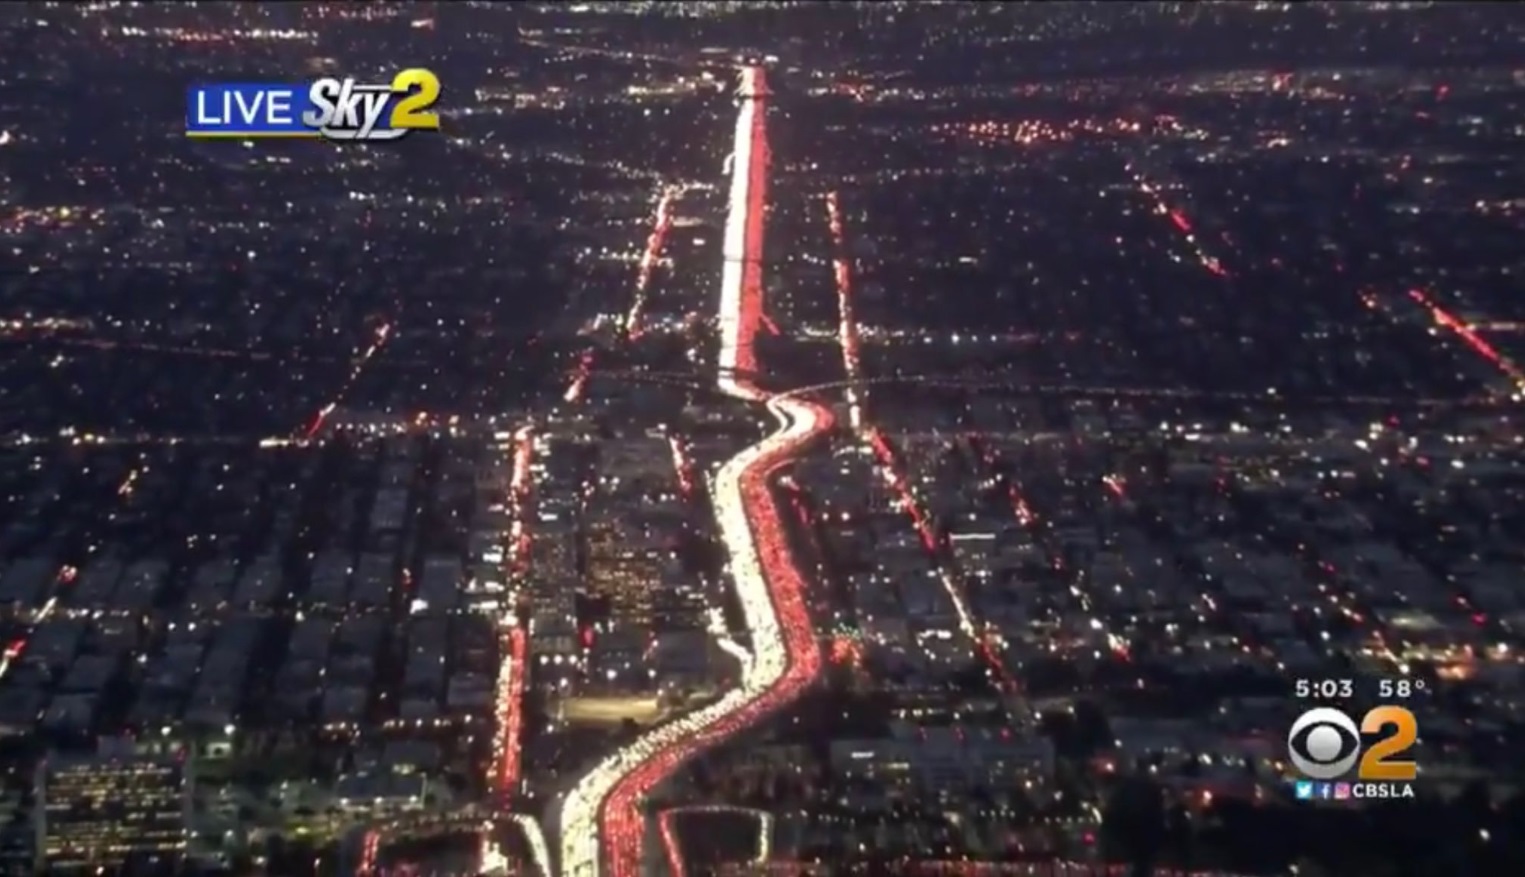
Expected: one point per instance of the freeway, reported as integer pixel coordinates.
(603, 819)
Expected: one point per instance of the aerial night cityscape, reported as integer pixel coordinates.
(674, 439)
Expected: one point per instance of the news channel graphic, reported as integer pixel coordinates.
(332, 108)
(1345, 754)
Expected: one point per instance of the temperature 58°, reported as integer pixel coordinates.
(1390, 689)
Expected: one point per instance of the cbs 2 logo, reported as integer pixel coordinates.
(1325, 743)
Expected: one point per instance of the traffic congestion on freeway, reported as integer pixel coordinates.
(603, 821)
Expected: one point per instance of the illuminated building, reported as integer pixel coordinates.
(110, 808)
(622, 565)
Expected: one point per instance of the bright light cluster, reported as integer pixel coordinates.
(1182, 223)
(508, 715)
(847, 326)
(378, 341)
(661, 225)
(1469, 336)
(631, 324)
(503, 776)
(1036, 132)
(370, 848)
(602, 820)
(579, 383)
(539, 851)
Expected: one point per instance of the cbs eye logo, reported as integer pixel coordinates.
(1325, 743)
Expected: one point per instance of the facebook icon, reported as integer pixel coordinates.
(1304, 791)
